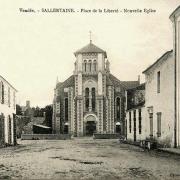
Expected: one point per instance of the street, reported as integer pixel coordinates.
(85, 158)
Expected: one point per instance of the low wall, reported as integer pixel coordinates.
(45, 136)
(106, 136)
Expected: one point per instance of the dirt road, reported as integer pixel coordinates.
(85, 158)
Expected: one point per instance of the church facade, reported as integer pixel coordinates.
(92, 100)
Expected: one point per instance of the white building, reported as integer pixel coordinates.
(163, 93)
(135, 113)
(161, 113)
(7, 112)
(159, 97)
(175, 18)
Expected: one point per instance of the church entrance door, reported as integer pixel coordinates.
(90, 121)
(90, 128)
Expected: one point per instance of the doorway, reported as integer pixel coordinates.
(151, 124)
(9, 130)
(66, 128)
(90, 128)
(118, 127)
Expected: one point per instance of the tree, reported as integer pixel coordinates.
(38, 112)
(48, 115)
(18, 110)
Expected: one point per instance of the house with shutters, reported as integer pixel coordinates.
(7, 113)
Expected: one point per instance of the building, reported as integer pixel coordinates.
(163, 93)
(92, 99)
(175, 18)
(41, 129)
(159, 97)
(27, 110)
(135, 113)
(7, 113)
(160, 114)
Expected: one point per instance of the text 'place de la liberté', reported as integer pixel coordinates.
(85, 10)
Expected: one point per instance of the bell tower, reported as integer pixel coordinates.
(90, 65)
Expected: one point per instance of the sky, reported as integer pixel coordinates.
(36, 48)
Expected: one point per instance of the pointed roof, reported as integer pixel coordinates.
(7, 83)
(164, 57)
(90, 48)
(67, 83)
(130, 84)
(138, 87)
(175, 13)
(113, 81)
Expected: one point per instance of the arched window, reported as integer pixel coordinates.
(66, 109)
(9, 130)
(118, 106)
(9, 97)
(93, 99)
(90, 65)
(94, 65)
(87, 99)
(85, 65)
(2, 127)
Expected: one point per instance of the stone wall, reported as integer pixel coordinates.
(45, 136)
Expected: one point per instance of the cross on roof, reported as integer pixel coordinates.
(90, 34)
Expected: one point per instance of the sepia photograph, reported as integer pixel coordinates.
(90, 89)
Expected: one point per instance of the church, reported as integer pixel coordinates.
(92, 100)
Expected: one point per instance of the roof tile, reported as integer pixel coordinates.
(90, 48)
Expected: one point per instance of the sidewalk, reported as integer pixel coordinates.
(171, 150)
